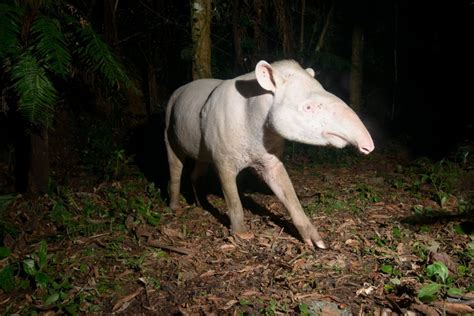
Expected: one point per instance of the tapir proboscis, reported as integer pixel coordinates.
(243, 122)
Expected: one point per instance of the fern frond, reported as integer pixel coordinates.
(37, 95)
(10, 17)
(97, 55)
(50, 45)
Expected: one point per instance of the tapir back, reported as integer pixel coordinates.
(183, 115)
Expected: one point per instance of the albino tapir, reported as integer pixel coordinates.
(242, 122)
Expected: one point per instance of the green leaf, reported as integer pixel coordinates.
(5, 200)
(97, 55)
(4, 252)
(29, 267)
(42, 280)
(386, 268)
(397, 233)
(10, 21)
(50, 45)
(453, 291)
(42, 254)
(428, 292)
(7, 280)
(37, 95)
(395, 281)
(51, 299)
(439, 270)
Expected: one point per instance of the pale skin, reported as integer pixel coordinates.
(243, 122)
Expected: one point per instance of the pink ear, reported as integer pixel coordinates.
(265, 76)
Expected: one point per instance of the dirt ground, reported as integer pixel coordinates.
(114, 246)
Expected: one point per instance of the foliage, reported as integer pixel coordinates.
(439, 275)
(39, 44)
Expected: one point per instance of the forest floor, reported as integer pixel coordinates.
(399, 231)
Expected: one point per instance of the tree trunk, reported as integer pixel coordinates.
(237, 31)
(38, 174)
(283, 19)
(153, 94)
(357, 68)
(201, 16)
(322, 37)
(110, 22)
(136, 112)
(303, 11)
(260, 39)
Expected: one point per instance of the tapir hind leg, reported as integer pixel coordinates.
(275, 175)
(199, 171)
(175, 161)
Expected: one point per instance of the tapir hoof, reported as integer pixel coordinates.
(175, 206)
(312, 238)
(238, 229)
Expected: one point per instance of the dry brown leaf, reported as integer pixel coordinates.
(454, 308)
(248, 293)
(298, 264)
(227, 247)
(171, 232)
(366, 290)
(121, 303)
(245, 235)
(229, 304)
(352, 242)
(142, 231)
(426, 309)
(208, 274)
(348, 223)
(446, 259)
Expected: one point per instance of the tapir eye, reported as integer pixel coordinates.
(311, 107)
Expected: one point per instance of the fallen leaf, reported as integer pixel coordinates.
(426, 309)
(446, 259)
(208, 274)
(227, 247)
(454, 308)
(352, 242)
(245, 235)
(121, 303)
(366, 290)
(298, 264)
(171, 232)
(229, 304)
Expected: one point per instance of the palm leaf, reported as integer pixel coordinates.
(50, 45)
(10, 17)
(37, 95)
(98, 56)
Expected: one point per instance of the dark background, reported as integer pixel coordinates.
(427, 109)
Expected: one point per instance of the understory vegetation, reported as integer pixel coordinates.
(400, 232)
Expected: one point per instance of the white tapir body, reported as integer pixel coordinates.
(243, 122)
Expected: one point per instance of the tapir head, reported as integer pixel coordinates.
(304, 112)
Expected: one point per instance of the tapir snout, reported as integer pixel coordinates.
(347, 128)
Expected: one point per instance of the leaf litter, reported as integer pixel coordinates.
(115, 256)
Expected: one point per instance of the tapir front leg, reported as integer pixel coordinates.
(228, 176)
(275, 175)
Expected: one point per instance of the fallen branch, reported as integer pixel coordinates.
(156, 244)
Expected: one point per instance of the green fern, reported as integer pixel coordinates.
(31, 56)
(9, 29)
(99, 58)
(37, 95)
(50, 45)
